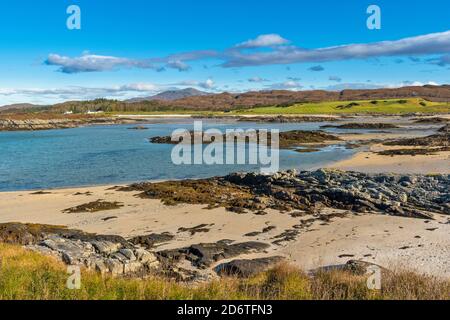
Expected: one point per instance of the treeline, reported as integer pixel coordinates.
(106, 105)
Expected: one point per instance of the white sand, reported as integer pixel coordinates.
(377, 235)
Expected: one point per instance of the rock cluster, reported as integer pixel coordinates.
(137, 257)
(402, 195)
(288, 119)
(35, 124)
(441, 139)
(287, 139)
(360, 126)
(206, 254)
(103, 253)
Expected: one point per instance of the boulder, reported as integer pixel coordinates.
(106, 247)
(247, 268)
(132, 267)
(114, 266)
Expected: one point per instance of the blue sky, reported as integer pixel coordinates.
(137, 48)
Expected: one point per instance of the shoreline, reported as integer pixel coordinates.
(311, 219)
(390, 241)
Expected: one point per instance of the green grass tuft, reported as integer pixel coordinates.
(26, 275)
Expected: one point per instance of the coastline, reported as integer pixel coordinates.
(326, 236)
(395, 242)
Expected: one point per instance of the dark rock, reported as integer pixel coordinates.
(247, 268)
(95, 206)
(361, 126)
(403, 195)
(413, 152)
(436, 140)
(202, 228)
(205, 254)
(149, 241)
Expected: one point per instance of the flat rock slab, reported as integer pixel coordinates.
(247, 268)
(206, 254)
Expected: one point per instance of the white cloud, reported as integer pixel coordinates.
(278, 52)
(264, 40)
(208, 84)
(433, 43)
(178, 65)
(93, 63)
(287, 85)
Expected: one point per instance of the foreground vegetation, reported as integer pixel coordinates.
(391, 106)
(28, 275)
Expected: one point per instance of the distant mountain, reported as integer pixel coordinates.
(172, 95)
(19, 107)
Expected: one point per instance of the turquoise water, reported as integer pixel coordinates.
(114, 154)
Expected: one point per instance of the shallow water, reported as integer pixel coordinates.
(101, 155)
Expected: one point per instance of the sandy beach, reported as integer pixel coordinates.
(374, 163)
(395, 242)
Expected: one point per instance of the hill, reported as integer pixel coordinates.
(20, 107)
(172, 95)
(225, 102)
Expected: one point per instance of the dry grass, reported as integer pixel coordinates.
(28, 275)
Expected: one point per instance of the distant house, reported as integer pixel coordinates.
(68, 112)
(94, 112)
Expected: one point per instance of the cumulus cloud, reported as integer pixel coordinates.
(287, 85)
(94, 63)
(317, 68)
(264, 40)
(209, 84)
(433, 43)
(178, 65)
(277, 50)
(82, 92)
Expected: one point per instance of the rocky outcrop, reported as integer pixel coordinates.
(445, 129)
(441, 139)
(287, 139)
(288, 119)
(95, 206)
(103, 253)
(17, 123)
(362, 126)
(151, 240)
(114, 255)
(203, 255)
(402, 195)
(412, 152)
(434, 120)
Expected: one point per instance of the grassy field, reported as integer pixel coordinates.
(28, 275)
(392, 106)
